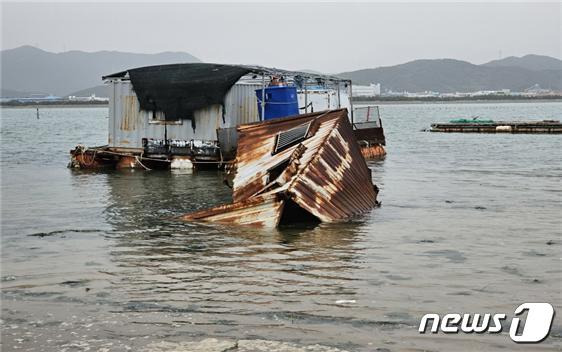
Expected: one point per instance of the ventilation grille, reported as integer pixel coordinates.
(291, 137)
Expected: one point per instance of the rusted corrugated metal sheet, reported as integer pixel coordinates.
(337, 183)
(256, 143)
(258, 211)
(323, 172)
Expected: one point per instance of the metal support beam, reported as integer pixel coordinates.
(263, 96)
(305, 97)
(339, 97)
(351, 102)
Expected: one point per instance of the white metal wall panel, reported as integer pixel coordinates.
(241, 105)
(128, 125)
(125, 120)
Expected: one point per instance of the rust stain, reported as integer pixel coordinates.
(83, 158)
(373, 151)
(258, 211)
(324, 173)
(130, 113)
(128, 162)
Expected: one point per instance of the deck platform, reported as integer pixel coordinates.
(545, 126)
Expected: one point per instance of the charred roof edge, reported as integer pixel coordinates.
(253, 69)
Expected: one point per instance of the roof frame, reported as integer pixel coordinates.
(259, 70)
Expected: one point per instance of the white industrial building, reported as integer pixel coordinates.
(372, 90)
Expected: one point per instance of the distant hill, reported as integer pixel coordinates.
(529, 62)
(99, 91)
(31, 69)
(28, 69)
(448, 75)
(311, 71)
(9, 93)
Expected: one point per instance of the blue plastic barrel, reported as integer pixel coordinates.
(280, 101)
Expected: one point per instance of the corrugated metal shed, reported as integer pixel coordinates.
(321, 170)
(128, 124)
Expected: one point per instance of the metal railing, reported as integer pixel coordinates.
(366, 117)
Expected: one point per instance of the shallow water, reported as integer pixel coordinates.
(469, 223)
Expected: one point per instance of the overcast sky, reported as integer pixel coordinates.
(329, 37)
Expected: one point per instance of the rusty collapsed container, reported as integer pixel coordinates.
(300, 168)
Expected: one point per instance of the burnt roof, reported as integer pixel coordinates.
(179, 89)
(250, 69)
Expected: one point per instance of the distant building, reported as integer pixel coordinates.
(537, 90)
(391, 93)
(425, 94)
(36, 98)
(455, 95)
(491, 92)
(372, 90)
(90, 98)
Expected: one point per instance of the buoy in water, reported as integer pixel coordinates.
(181, 163)
(503, 129)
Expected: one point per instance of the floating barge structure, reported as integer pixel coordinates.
(296, 169)
(489, 126)
(186, 115)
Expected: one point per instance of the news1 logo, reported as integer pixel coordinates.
(535, 328)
